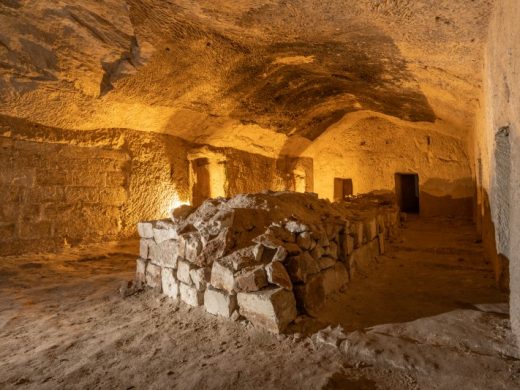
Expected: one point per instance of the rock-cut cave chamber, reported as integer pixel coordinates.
(329, 186)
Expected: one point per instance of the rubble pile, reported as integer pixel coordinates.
(267, 257)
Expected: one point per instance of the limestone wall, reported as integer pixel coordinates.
(371, 148)
(63, 187)
(497, 151)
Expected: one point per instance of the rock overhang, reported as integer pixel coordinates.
(291, 67)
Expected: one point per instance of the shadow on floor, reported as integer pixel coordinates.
(434, 267)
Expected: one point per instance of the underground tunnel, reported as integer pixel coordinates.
(278, 194)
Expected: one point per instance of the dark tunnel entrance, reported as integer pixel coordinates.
(407, 192)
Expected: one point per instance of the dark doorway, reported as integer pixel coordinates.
(342, 188)
(407, 192)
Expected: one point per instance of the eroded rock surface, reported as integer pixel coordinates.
(295, 67)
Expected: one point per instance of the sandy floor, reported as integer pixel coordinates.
(63, 324)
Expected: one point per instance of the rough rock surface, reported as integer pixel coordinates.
(267, 62)
(273, 309)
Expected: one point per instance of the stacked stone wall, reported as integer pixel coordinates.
(267, 257)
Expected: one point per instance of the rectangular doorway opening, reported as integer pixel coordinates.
(342, 189)
(201, 186)
(407, 192)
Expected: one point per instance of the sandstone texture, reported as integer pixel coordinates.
(63, 187)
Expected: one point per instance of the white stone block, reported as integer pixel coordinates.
(220, 221)
(153, 276)
(242, 258)
(164, 230)
(258, 251)
(219, 302)
(222, 277)
(144, 247)
(277, 274)
(140, 271)
(170, 285)
(250, 279)
(164, 254)
(193, 246)
(281, 254)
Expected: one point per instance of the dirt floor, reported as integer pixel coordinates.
(436, 322)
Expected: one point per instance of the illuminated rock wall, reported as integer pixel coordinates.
(370, 149)
(65, 187)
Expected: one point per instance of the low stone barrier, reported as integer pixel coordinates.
(267, 257)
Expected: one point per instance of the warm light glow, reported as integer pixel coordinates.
(176, 202)
(217, 179)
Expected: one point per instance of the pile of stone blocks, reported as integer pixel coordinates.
(267, 257)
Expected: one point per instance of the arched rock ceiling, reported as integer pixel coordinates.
(292, 66)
